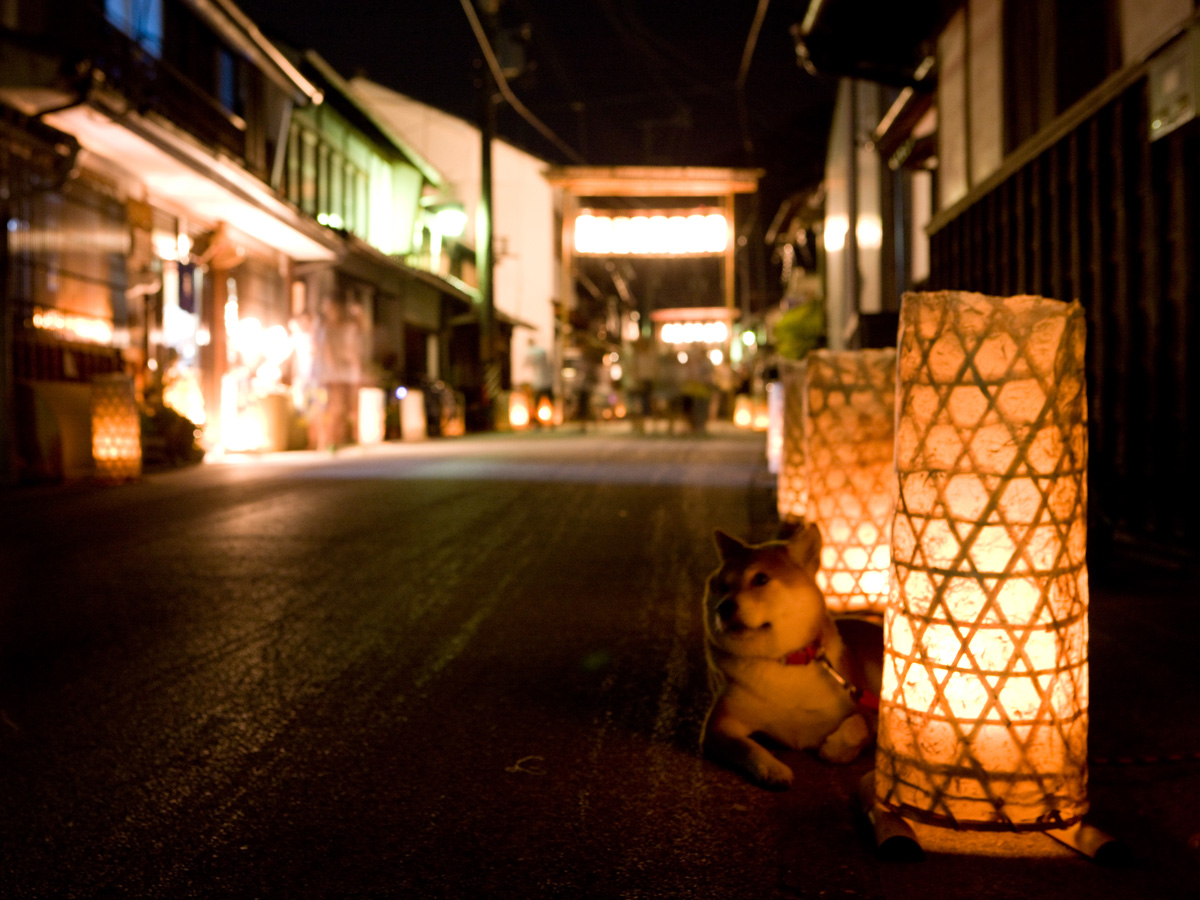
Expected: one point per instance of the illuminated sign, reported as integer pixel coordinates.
(651, 234)
(71, 326)
(695, 332)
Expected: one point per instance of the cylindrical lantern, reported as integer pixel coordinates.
(774, 427)
(849, 410)
(743, 411)
(983, 715)
(372, 416)
(116, 428)
(413, 422)
(791, 492)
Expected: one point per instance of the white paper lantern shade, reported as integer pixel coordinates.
(792, 483)
(983, 715)
(849, 410)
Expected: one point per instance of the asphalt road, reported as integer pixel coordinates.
(460, 669)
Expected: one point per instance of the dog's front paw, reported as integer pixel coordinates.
(770, 773)
(846, 741)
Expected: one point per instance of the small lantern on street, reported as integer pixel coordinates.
(743, 411)
(983, 716)
(849, 403)
(372, 416)
(116, 428)
(792, 486)
(519, 410)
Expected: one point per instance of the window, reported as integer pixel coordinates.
(142, 20)
(227, 88)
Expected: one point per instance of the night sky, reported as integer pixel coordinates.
(621, 82)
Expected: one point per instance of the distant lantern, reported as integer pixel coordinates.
(983, 716)
(372, 416)
(519, 410)
(743, 411)
(849, 399)
(791, 492)
(116, 428)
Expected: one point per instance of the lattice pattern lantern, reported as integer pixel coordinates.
(791, 489)
(116, 428)
(983, 717)
(849, 407)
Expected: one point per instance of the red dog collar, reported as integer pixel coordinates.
(804, 655)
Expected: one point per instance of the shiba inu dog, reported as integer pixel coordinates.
(779, 666)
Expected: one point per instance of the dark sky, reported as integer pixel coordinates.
(633, 82)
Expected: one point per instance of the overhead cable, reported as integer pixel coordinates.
(502, 83)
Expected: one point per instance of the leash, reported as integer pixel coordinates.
(814, 652)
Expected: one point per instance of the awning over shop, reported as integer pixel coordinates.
(177, 168)
(503, 318)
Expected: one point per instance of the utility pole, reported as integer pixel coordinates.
(484, 252)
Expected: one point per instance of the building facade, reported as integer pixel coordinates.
(219, 221)
(1047, 148)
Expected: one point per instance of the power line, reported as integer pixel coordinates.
(502, 83)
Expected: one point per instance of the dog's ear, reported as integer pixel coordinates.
(728, 547)
(804, 547)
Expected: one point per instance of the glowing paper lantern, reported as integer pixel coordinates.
(519, 411)
(116, 428)
(413, 423)
(743, 411)
(372, 416)
(849, 404)
(791, 491)
(774, 427)
(983, 717)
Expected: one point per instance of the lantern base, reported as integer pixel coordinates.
(894, 838)
(1093, 843)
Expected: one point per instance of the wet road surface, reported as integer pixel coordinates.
(467, 668)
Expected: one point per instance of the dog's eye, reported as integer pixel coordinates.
(759, 579)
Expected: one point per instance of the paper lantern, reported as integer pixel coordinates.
(849, 404)
(116, 428)
(743, 411)
(372, 416)
(791, 491)
(774, 427)
(520, 411)
(414, 426)
(983, 716)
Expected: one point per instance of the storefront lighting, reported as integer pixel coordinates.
(71, 326)
(715, 356)
(868, 232)
(451, 220)
(836, 229)
(651, 234)
(749, 338)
